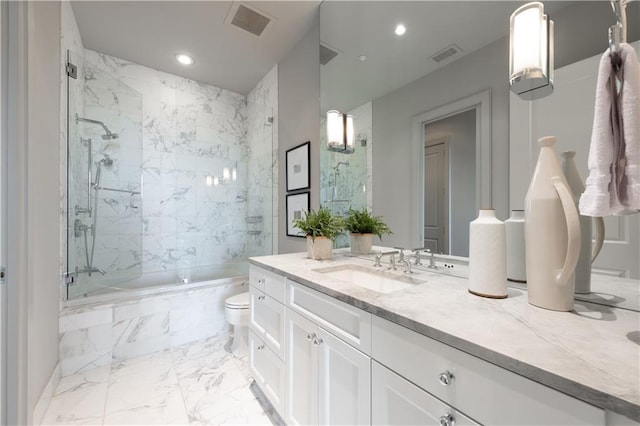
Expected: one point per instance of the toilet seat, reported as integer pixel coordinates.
(239, 301)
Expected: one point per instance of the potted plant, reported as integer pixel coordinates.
(362, 225)
(321, 228)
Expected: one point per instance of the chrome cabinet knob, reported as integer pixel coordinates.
(261, 281)
(317, 341)
(260, 297)
(311, 336)
(446, 378)
(260, 347)
(447, 420)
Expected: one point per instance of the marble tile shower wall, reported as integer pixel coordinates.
(97, 335)
(193, 136)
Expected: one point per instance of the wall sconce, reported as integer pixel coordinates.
(531, 52)
(340, 132)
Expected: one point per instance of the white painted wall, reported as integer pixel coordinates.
(299, 121)
(481, 70)
(43, 181)
(461, 131)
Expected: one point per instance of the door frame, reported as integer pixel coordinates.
(481, 103)
(447, 189)
(14, 136)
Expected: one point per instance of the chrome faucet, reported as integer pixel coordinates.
(417, 257)
(432, 260)
(407, 266)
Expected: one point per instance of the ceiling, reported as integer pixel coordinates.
(151, 33)
(354, 29)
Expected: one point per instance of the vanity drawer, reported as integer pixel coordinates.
(268, 282)
(348, 323)
(267, 320)
(484, 391)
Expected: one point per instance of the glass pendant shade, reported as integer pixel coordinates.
(531, 52)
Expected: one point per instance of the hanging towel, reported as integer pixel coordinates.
(630, 107)
(613, 185)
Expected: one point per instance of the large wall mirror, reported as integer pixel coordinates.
(438, 133)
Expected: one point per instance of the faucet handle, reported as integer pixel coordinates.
(401, 253)
(416, 255)
(377, 258)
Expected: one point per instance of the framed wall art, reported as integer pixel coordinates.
(297, 167)
(297, 206)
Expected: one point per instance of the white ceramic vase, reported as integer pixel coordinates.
(487, 256)
(588, 249)
(361, 243)
(552, 233)
(319, 248)
(516, 264)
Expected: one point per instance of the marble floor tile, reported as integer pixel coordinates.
(79, 399)
(198, 383)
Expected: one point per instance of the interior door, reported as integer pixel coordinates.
(436, 159)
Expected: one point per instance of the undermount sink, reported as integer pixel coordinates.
(369, 278)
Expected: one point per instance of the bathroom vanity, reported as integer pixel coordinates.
(419, 349)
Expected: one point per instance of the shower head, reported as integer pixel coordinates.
(106, 162)
(107, 136)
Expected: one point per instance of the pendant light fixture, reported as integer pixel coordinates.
(531, 52)
(340, 132)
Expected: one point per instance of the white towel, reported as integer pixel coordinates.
(630, 105)
(603, 197)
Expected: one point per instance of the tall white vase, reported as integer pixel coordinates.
(516, 264)
(588, 250)
(552, 233)
(487, 256)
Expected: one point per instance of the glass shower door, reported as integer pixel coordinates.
(104, 180)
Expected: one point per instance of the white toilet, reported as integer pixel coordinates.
(236, 312)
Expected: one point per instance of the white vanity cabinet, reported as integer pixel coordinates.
(327, 380)
(489, 394)
(267, 338)
(396, 401)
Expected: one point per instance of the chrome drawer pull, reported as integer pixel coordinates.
(446, 378)
(447, 420)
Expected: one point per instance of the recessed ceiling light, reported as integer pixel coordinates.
(362, 58)
(184, 59)
(401, 29)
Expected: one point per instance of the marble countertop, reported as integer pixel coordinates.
(591, 353)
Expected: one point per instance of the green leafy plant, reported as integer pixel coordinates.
(320, 224)
(363, 222)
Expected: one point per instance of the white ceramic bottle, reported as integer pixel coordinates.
(487, 256)
(552, 233)
(516, 264)
(588, 250)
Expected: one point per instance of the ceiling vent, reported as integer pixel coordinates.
(446, 53)
(250, 20)
(326, 54)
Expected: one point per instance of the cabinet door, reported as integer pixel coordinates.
(302, 371)
(267, 320)
(395, 401)
(344, 383)
(267, 370)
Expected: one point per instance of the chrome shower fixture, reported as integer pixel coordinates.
(107, 136)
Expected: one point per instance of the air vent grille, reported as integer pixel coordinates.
(326, 54)
(446, 53)
(250, 20)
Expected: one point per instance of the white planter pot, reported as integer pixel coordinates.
(319, 248)
(361, 243)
